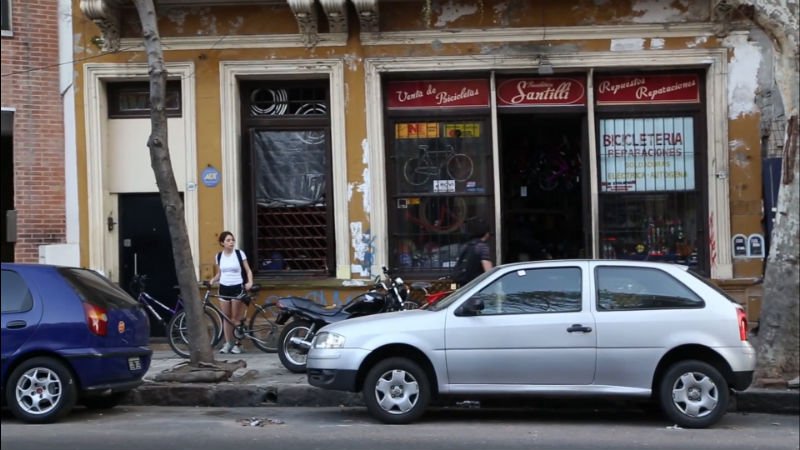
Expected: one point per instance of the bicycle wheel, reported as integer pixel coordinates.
(442, 214)
(459, 167)
(178, 331)
(412, 172)
(263, 330)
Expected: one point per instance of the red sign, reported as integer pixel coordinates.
(549, 91)
(437, 94)
(648, 89)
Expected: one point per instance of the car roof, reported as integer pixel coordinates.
(625, 262)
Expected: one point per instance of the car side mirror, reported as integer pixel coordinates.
(472, 307)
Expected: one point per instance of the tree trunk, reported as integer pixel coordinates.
(777, 343)
(200, 350)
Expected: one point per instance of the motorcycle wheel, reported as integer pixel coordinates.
(293, 356)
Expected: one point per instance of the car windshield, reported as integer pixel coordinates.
(97, 290)
(447, 301)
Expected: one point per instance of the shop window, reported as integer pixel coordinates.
(439, 185)
(650, 204)
(533, 291)
(286, 171)
(132, 99)
(631, 288)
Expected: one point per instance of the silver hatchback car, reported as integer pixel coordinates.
(555, 328)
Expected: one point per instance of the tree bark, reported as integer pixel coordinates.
(777, 343)
(199, 348)
(778, 352)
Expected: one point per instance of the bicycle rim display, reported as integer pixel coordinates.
(459, 167)
(178, 331)
(264, 332)
(442, 214)
(414, 172)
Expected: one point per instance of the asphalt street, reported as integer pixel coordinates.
(261, 428)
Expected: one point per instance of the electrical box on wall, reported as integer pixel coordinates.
(60, 254)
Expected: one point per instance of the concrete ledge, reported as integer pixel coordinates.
(772, 401)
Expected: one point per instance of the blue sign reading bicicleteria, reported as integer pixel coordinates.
(210, 176)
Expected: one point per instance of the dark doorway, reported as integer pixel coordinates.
(7, 198)
(542, 187)
(145, 248)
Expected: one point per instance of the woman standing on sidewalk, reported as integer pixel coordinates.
(233, 274)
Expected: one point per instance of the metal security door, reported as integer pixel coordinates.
(145, 248)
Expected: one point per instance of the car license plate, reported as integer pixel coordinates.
(134, 363)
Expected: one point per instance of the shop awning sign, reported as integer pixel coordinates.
(646, 155)
(541, 91)
(647, 89)
(437, 94)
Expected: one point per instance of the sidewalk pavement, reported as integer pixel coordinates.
(265, 382)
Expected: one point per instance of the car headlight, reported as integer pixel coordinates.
(329, 340)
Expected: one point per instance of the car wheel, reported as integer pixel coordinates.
(397, 391)
(104, 401)
(41, 390)
(693, 394)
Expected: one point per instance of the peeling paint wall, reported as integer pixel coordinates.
(452, 15)
(743, 75)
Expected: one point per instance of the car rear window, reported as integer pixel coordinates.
(713, 286)
(16, 297)
(97, 290)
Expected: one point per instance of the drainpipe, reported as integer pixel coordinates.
(67, 90)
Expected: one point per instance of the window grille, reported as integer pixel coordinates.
(286, 176)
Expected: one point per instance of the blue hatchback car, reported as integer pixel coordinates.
(69, 336)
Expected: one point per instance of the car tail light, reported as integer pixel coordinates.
(96, 319)
(742, 316)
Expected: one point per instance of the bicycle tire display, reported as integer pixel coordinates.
(263, 330)
(178, 331)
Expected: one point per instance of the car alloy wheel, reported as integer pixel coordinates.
(694, 394)
(41, 390)
(396, 391)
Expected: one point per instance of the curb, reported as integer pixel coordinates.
(239, 395)
(771, 401)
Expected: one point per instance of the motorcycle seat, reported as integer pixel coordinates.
(312, 307)
(322, 310)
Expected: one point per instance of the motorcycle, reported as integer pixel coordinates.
(386, 295)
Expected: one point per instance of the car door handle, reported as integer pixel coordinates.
(14, 324)
(579, 327)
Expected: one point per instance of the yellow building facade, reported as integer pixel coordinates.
(337, 137)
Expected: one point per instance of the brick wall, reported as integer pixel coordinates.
(30, 85)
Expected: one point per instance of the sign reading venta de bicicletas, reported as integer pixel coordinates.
(437, 94)
(541, 91)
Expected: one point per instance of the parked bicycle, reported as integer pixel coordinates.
(168, 315)
(260, 327)
(428, 165)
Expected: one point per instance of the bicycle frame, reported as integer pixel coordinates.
(148, 301)
(240, 330)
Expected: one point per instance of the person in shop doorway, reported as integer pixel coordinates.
(476, 257)
(233, 274)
